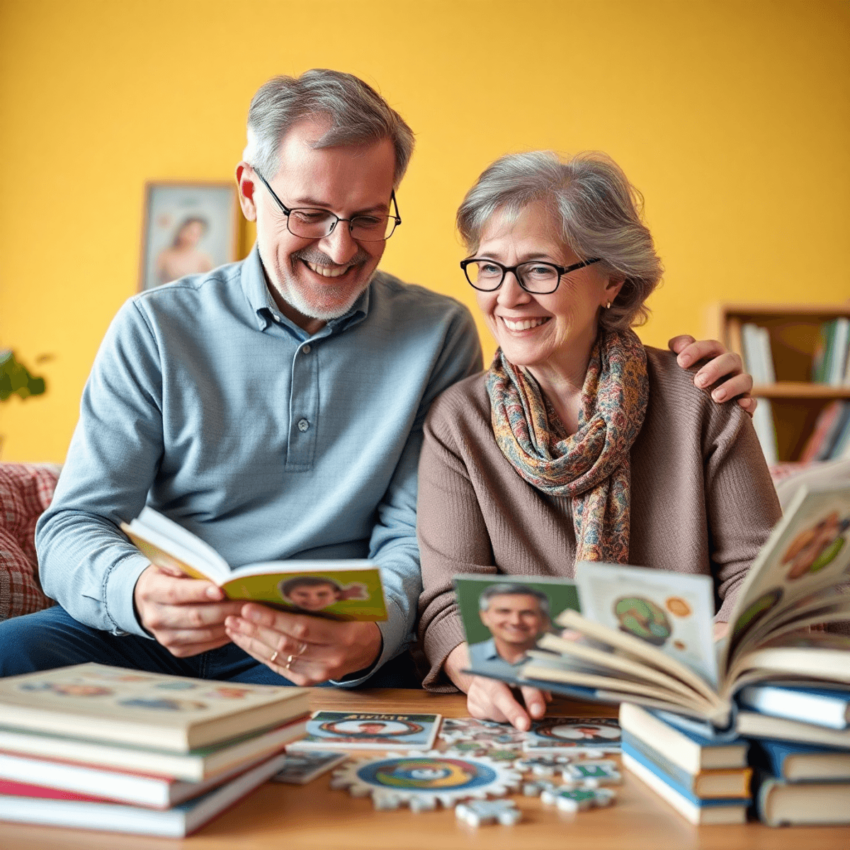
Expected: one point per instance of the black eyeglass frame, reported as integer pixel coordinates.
(287, 211)
(562, 270)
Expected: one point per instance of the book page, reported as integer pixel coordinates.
(670, 611)
(807, 551)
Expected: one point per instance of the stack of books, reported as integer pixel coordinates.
(705, 779)
(800, 750)
(106, 748)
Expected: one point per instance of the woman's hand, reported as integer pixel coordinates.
(723, 368)
(488, 699)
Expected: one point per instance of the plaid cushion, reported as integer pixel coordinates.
(25, 491)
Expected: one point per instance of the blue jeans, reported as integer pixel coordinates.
(52, 638)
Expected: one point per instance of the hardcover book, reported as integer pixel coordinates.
(780, 803)
(795, 762)
(177, 714)
(23, 803)
(338, 590)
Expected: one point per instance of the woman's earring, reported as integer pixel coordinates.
(608, 306)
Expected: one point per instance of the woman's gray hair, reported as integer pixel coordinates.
(596, 209)
(358, 115)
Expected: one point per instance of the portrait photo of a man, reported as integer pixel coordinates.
(516, 615)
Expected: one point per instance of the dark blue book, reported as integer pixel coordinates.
(822, 706)
(694, 809)
(777, 802)
(800, 762)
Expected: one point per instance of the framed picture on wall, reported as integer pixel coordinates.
(188, 228)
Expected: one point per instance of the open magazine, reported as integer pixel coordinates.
(646, 636)
(339, 590)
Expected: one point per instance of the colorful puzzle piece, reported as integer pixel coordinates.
(577, 799)
(592, 773)
(543, 765)
(480, 812)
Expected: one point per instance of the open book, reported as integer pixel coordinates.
(339, 590)
(646, 636)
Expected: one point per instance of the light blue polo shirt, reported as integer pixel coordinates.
(267, 442)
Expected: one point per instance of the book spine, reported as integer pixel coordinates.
(675, 774)
(807, 707)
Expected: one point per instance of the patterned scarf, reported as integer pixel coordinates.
(593, 465)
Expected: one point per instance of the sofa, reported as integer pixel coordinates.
(26, 489)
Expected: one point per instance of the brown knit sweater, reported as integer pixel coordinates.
(702, 500)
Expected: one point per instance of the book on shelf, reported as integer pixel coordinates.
(829, 425)
(751, 724)
(708, 784)
(820, 706)
(766, 431)
(693, 808)
(684, 748)
(795, 762)
(339, 590)
(758, 356)
(35, 804)
(646, 636)
(192, 766)
(779, 803)
(101, 703)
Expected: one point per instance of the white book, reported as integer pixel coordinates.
(765, 431)
(753, 352)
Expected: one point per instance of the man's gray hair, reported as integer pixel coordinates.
(357, 114)
(512, 589)
(596, 210)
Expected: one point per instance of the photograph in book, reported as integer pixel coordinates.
(177, 713)
(505, 617)
(338, 590)
(653, 646)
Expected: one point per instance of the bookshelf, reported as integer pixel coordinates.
(794, 333)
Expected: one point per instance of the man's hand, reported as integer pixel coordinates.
(183, 614)
(721, 364)
(306, 650)
(488, 699)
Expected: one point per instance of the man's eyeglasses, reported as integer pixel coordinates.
(313, 223)
(538, 278)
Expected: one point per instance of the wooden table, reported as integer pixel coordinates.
(313, 817)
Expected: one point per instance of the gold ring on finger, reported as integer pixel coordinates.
(289, 660)
(274, 656)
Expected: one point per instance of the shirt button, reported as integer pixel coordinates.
(306, 349)
(303, 424)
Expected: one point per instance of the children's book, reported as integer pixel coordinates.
(193, 766)
(176, 714)
(821, 706)
(338, 590)
(795, 762)
(301, 768)
(646, 636)
(23, 803)
(352, 730)
(569, 734)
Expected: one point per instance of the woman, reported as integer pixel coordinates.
(183, 256)
(579, 443)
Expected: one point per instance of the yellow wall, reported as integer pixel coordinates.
(732, 117)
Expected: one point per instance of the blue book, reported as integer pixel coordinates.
(780, 803)
(716, 811)
(822, 706)
(716, 783)
(800, 762)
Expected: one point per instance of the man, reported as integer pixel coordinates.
(516, 615)
(273, 407)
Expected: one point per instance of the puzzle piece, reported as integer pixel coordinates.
(578, 799)
(543, 765)
(480, 812)
(592, 773)
(537, 786)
